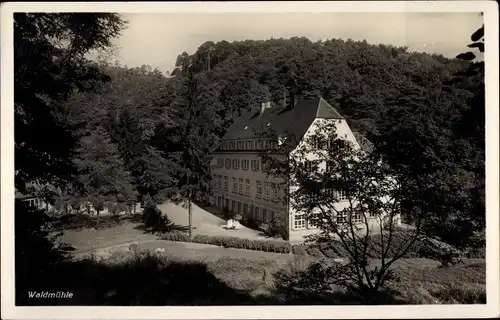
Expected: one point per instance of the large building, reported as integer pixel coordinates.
(240, 182)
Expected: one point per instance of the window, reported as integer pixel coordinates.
(241, 186)
(275, 191)
(341, 195)
(228, 163)
(266, 144)
(231, 145)
(240, 145)
(316, 142)
(247, 145)
(247, 187)
(219, 183)
(224, 146)
(255, 165)
(233, 205)
(259, 189)
(299, 222)
(259, 144)
(245, 208)
(257, 213)
(329, 167)
(226, 203)
(239, 207)
(266, 190)
(342, 217)
(250, 145)
(226, 184)
(235, 185)
(220, 162)
(308, 166)
(272, 215)
(244, 164)
(236, 163)
(313, 221)
(356, 218)
(264, 215)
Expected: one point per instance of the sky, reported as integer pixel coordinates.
(156, 39)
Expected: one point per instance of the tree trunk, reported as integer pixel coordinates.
(97, 222)
(190, 218)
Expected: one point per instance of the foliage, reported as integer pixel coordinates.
(227, 213)
(233, 242)
(101, 176)
(321, 168)
(277, 228)
(49, 64)
(156, 221)
(35, 245)
(250, 222)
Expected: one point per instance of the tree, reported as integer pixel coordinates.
(192, 174)
(101, 172)
(49, 50)
(325, 167)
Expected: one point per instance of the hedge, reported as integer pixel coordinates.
(232, 242)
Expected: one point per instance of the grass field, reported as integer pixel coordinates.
(251, 275)
(200, 274)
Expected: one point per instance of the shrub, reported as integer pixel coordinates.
(299, 250)
(227, 214)
(276, 229)
(462, 294)
(155, 221)
(232, 242)
(313, 251)
(37, 250)
(440, 251)
(175, 236)
(250, 222)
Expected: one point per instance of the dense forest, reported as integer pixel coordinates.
(135, 131)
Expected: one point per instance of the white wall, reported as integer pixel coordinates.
(343, 131)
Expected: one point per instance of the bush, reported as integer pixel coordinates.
(155, 221)
(299, 250)
(444, 253)
(227, 214)
(276, 229)
(461, 294)
(314, 252)
(232, 242)
(250, 222)
(37, 250)
(176, 236)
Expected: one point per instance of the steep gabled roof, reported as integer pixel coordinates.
(294, 120)
(363, 142)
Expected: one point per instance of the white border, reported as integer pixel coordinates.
(491, 309)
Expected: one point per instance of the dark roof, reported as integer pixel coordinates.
(294, 120)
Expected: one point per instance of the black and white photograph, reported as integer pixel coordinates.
(234, 154)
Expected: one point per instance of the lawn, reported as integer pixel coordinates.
(225, 276)
(253, 274)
